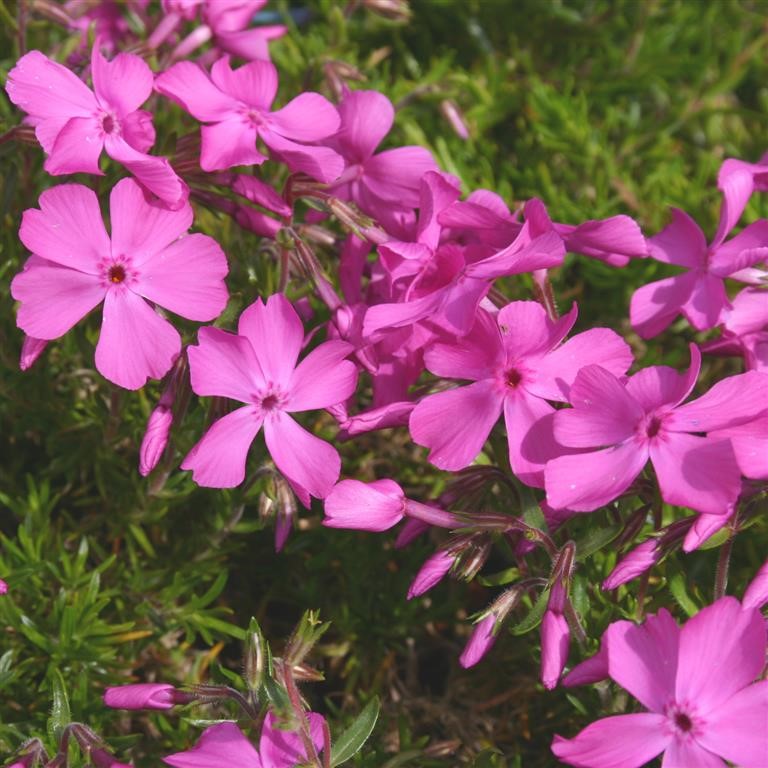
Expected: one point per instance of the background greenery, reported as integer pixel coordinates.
(598, 108)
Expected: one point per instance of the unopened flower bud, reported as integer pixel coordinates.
(431, 573)
(593, 670)
(486, 630)
(155, 439)
(308, 631)
(31, 349)
(285, 513)
(101, 758)
(375, 506)
(31, 754)
(254, 660)
(394, 10)
(472, 557)
(756, 595)
(143, 696)
(555, 638)
(636, 562)
(454, 117)
(432, 514)
(3, 587)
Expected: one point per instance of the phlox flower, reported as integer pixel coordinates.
(516, 361)
(645, 419)
(696, 683)
(235, 106)
(225, 744)
(384, 185)
(699, 293)
(3, 587)
(257, 367)
(75, 266)
(74, 123)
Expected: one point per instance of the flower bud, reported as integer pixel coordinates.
(431, 572)
(634, 563)
(756, 595)
(3, 587)
(285, 513)
(480, 642)
(433, 515)
(254, 660)
(142, 696)
(555, 637)
(375, 506)
(155, 439)
(31, 349)
(593, 670)
(454, 117)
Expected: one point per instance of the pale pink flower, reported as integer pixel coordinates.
(517, 361)
(74, 124)
(258, 367)
(645, 419)
(696, 683)
(75, 266)
(699, 293)
(235, 106)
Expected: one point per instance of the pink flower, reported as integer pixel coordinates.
(375, 506)
(73, 123)
(699, 294)
(235, 107)
(517, 362)
(697, 685)
(480, 642)
(225, 744)
(379, 184)
(643, 420)
(75, 266)
(258, 367)
(3, 587)
(141, 696)
(431, 572)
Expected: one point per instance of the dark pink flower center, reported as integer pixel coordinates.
(108, 124)
(116, 274)
(653, 426)
(513, 377)
(683, 722)
(270, 402)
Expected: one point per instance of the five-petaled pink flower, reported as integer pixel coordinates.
(517, 362)
(696, 683)
(73, 123)
(235, 105)
(257, 366)
(644, 419)
(75, 266)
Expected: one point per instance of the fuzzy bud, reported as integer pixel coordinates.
(142, 696)
(155, 439)
(254, 657)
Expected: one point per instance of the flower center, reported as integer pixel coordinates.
(513, 377)
(108, 124)
(683, 722)
(116, 274)
(270, 402)
(653, 427)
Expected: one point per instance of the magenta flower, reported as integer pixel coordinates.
(235, 106)
(225, 744)
(3, 587)
(141, 696)
(74, 124)
(434, 569)
(697, 685)
(643, 420)
(480, 641)
(756, 594)
(75, 265)
(257, 366)
(517, 362)
(379, 184)
(698, 294)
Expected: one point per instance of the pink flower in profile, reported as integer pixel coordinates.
(225, 744)
(74, 124)
(645, 419)
(699, 293)
(257, 367)
(696, 683)
(517, 361)
(235, 106)
(3, 587)
(75, 266)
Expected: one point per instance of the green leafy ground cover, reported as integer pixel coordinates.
(596, 107)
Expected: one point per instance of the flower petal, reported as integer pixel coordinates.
(622, 741)
(375, 506)
(587, 481)
(68, 229)
(642, 658)
(254, 83)
(140, 228)
(221, 744)
(189, 85)
(681, 242)
(123, 84)
(53, 298)
(722, 650)
(187, 278)
(284, 749)
(322, 378)
(218, 459)
(229, 143)
(527, 330)
(135, 342)
(696, 472)
(654, 306)
(77, 148)
(394, 176)
(455, 424)
(308, 117)
(660, 385)
(529, 434)
(155, 173)
(366, 117)
(224, 365)
(304, 459)
(680, 754)
(321, 163)
(276, 335)
(707, 302)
